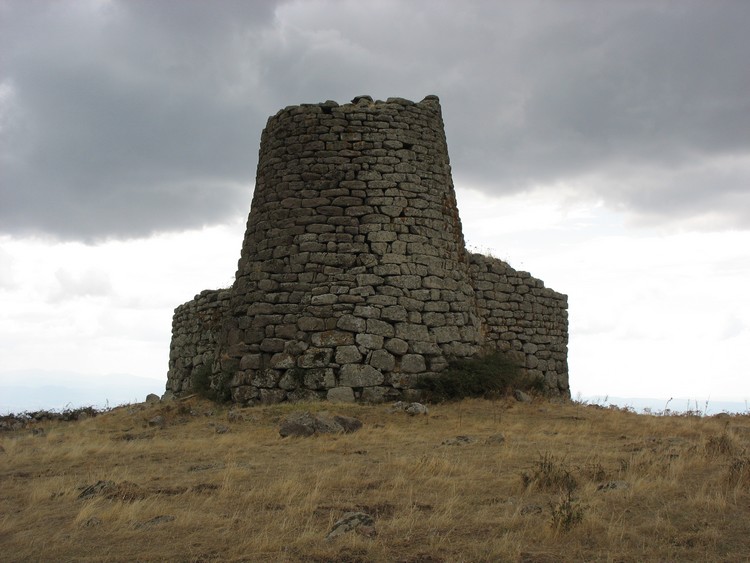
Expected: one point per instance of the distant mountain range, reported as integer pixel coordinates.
(675, 405)
(33, 390)
(45, 390)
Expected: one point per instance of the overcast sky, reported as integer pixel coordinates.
(603, 146)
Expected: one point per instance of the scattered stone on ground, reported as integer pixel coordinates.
(205, 466)
(613, 486)
(531, 509)
(495, 439)
(22, 420)
(154, 522)
(152, 398)
(158, 421)
(412, 409)
(305, 424)
(92, 522)
(235, 416)
(458, 441)
(359, 521)
(205, 487)
(521, 397)
(97, 488)
(221, 429)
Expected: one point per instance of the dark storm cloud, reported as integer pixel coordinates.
(124, 118)
(119, 119)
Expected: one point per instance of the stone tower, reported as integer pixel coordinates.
(354, 279)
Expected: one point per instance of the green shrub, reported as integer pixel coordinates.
(487, 376)
(215, 388)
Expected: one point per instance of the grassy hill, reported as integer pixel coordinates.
(476, 480)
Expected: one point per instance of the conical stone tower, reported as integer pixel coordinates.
(354, 279)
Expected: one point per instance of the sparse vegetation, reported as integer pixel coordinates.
(492, 375)
(214, 387)
(550, 474)
(214, 482)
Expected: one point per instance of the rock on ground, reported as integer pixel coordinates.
(308, 424)
(358, 521)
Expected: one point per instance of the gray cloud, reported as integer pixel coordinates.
(120, 119)
(71, 285)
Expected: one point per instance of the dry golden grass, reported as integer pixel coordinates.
(569, 483)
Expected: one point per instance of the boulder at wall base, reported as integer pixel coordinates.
(521, 397)
(305, 424)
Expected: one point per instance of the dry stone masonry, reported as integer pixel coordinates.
(354, 280)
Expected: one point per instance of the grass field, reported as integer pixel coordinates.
(538, 482)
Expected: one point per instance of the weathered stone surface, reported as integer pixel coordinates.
(341, 395)
(397, 346)
(348, 355)
(458, 441)
(412, 409)
(413, 363)
(382, 361)
(352, 521)
(613, 486)
(332, 338)
(371, 341)
(158, 421)
(521, 397)
(357, 375)
(303, 424)
(379, 394)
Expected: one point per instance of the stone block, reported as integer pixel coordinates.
(315, 358)
(318, 378)
(370, 341)
(397, 346)
(332, 338)
(351, 323)
(272, 345)
(266, 378)
(413, 363)
(340, 395)
(281, 360)
(425, 348)
(381, 394)
(446, 334)
(394, 313)
(358, 375)
(272, 396)
(347, 355)
(375, 326)
(409, 331)
(367, 311)
(382, 360)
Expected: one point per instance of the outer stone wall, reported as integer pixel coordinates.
(521, 316)
(353, 279)
(196, 326)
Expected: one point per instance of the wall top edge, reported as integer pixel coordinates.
(363, 101)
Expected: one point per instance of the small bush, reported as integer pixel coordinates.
(550, 474)
(486, 377)
(566, 513)
(214, 388)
